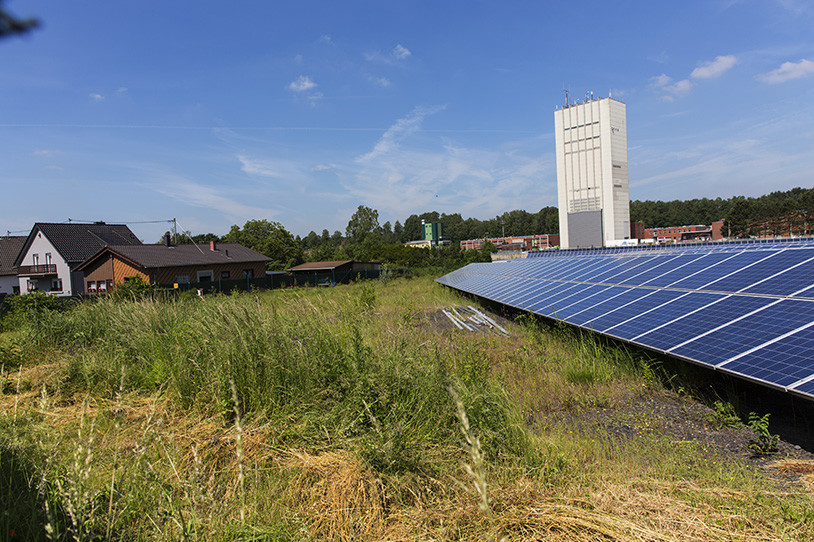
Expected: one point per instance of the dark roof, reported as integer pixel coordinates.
(319, 266)
(78, 242)
(152, 256)
(9, 248)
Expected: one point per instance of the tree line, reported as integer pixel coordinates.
(365, 239)
(770, 214)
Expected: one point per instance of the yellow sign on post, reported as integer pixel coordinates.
(175, 285)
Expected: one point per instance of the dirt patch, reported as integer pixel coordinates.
(663, 413)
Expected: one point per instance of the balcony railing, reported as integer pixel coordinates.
(37, 270)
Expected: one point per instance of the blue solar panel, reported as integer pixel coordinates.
(656, 268)
(607, 300)
(613, 298)
(724, 268)
(688, 326)
(782, 362)
(746, 308)
(786, 282)
(683, 303)
(806, 388)
(770, 265)
(620, 320)
(687, 265)
(568, 297)
(588, 269)
(773, 320)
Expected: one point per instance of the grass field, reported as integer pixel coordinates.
(353, 413)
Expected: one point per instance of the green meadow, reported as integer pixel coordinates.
(360, 413)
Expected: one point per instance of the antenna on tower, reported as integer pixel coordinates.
(566, 95)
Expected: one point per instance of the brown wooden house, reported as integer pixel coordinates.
(165, 265)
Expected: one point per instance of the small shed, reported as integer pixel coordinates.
(332, 272)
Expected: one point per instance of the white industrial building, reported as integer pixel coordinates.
(592, 178)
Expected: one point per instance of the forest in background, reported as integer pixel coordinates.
(365, 239)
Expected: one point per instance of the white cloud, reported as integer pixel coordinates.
(96, 96)
(400, 130)
(326, 39)
(276, 173)
(321, 167)
(796, 7)
(661, 81)
(314, 98)
(409, 171)
(679, 88)
(746, 157)
(398, 54)
(302, 83)
(714, 68)
(379, 81)
(401, 52)
(670, 91)
(788, 71)
(199, 195)
(261, 168)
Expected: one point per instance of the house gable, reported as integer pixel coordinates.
(68, 246)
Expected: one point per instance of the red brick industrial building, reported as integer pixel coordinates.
(678, 234)
(519, 242)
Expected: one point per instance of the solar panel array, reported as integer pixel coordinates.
(746, 309)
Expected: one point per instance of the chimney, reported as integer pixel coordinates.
(167, 240)
(213, 246)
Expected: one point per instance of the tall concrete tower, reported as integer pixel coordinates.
(592, 182)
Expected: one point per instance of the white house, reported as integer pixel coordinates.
(52, 252)
(9, 248)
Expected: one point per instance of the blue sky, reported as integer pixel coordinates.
(216, 113)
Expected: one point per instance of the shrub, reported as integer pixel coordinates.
(28, 308)
(132, 289)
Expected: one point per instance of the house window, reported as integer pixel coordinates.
(35, 258)
(182, 279)
(101, 286)
(47, 258)
(248, 273)
(56, 285)
(31, 285)
(224, 274)
(92, 286)
(206, 276)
